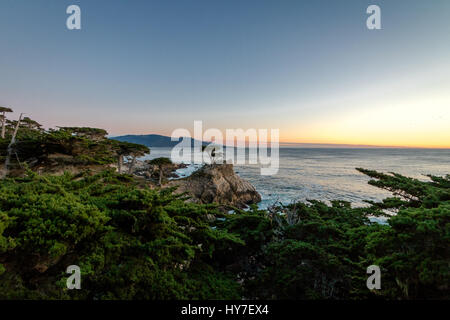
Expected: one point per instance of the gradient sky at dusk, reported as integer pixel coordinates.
(310, 68)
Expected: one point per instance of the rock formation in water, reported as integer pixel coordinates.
(218, 183)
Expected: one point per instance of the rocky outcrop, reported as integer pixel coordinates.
(169, 171)
(220, 184)
(151, 172)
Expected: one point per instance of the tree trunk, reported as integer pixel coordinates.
(9, 150)
(160, 175)
(133, 162)
(119, 164)
(3, 125)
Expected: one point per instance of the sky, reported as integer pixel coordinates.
(311, 69)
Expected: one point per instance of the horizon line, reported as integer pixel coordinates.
(316, 144)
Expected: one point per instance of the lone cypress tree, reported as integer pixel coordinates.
(213, 151)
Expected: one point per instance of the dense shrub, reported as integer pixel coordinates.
(133, 242)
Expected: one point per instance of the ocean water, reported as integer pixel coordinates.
(329, 173)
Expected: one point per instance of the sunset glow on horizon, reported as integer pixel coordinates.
(312, 70)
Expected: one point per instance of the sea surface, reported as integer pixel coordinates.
(329, 173)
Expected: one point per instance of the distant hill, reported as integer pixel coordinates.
(150, 140)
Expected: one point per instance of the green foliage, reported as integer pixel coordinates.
(84, 131)
(414, 253)
(128, 148)
(130, 243)
(160, 161)
(323, 251)
(416, 192)
(133, 242)
(65, 146)
(315, 255)
(5, 109)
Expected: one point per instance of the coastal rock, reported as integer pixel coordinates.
(218, 183)
(151, 172)
(169, 171)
